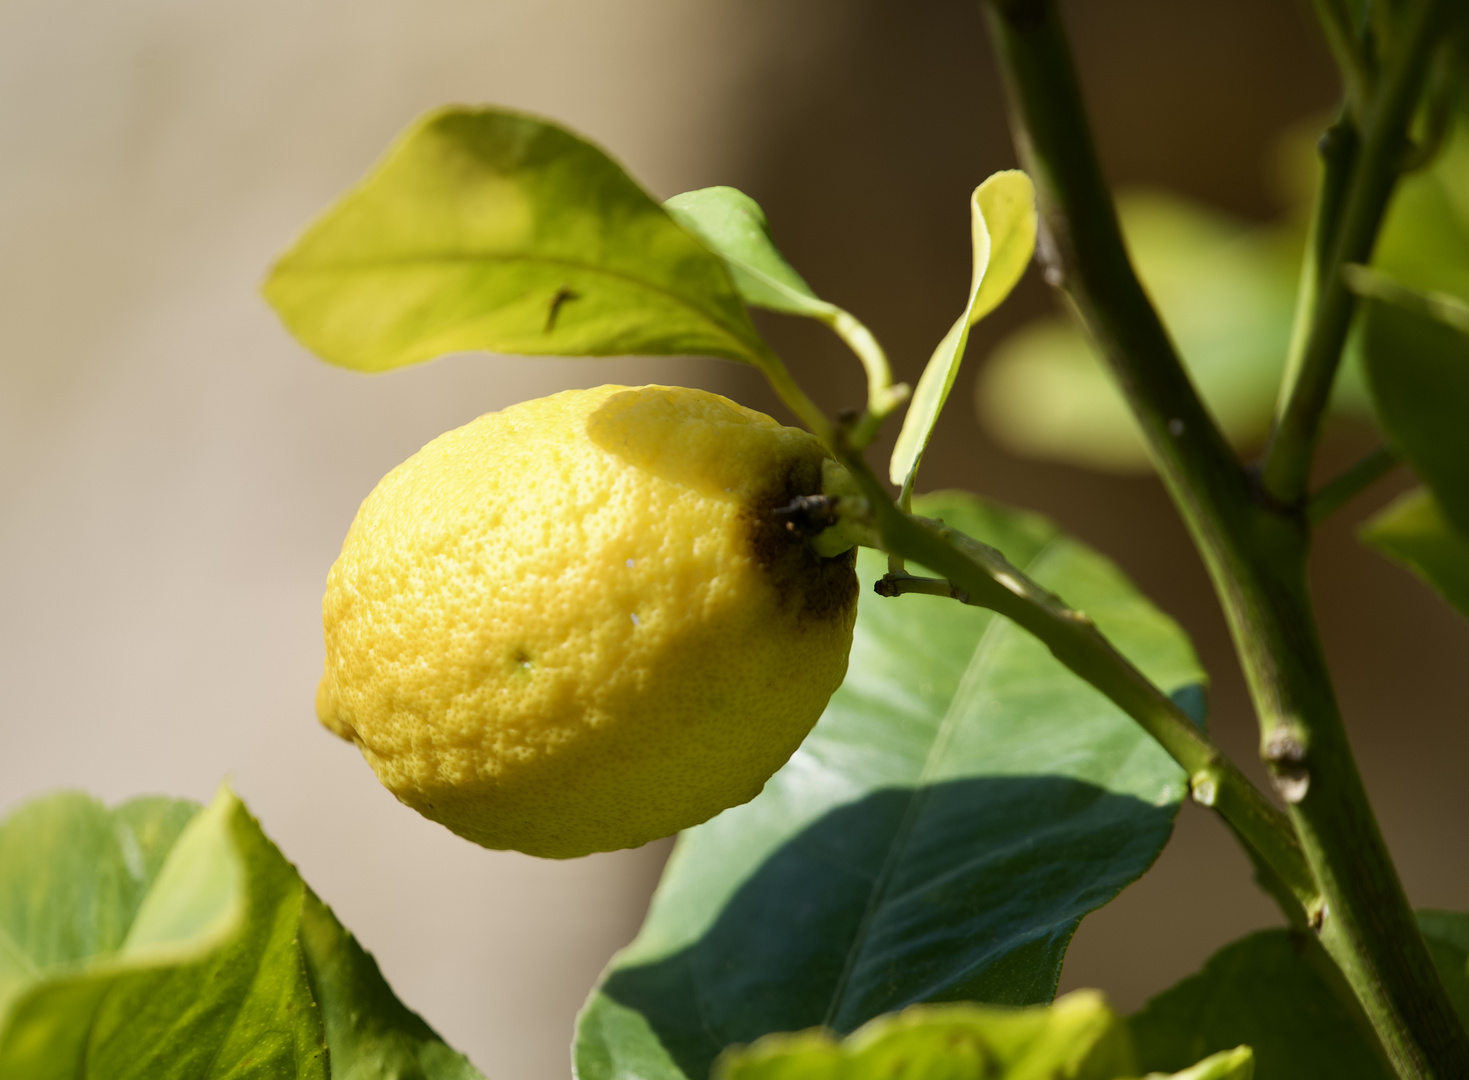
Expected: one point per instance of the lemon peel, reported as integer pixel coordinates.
(576, 625)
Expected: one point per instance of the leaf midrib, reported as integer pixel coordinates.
(370, 265)
(910, 815)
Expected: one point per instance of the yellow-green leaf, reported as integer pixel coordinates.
(1003, 229)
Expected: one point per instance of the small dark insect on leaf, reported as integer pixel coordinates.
(563, 294)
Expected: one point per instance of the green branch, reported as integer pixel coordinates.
(977, 574)
(1254, 547)
(1354, 480)
(1370, 173)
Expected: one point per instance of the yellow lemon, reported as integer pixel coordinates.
(576, 625)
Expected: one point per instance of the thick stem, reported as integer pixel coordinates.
(1255, 553)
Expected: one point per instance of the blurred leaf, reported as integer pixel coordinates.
(1226, 293)
(1413, 531)
(1425, 237)
(961, 805)
(160, 941)
(1447, 935)
(484, 229)
(1271, 990)
(1003, 229)
(1418, 369)
(74, 875)
(1077, 1038)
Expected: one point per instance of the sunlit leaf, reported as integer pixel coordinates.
(1003, 231)
(1414, 531)
(485, 229)
(1077, 1038)
(1274, 991)
(961, 805)
(733, 225)
(161, 942)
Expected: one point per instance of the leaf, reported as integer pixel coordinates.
(1271, 990)
(1418, 371)
(733, 225)
(73, 876)
(371, 1033)
(1414, 532)
(961, 805)
(1226, 292)
(160, 941)
(485, 229)
(1077, 1038)
(1003, 227)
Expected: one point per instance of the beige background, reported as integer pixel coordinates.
(176, 474)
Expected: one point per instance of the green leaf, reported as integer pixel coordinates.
(73, 876)
(1226, 292)
(160, 941)
(1418, 371)
(371, 1033)
(1077, 1038)
(961, 805)
(1273, 990)
(1413, 531)
(484, 229)
(1003, 230)
(733, 225)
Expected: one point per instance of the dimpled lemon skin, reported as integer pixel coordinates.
(575, 625)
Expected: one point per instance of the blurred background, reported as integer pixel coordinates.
(176, 474)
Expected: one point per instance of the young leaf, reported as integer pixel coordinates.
(733, 225)
(484, 229)
(161, 941)
(1271, 990)
(1414, 532)
(1418, 371)
(1003, 227)
(1077, 1038)
(961, 805)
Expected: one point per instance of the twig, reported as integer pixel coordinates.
(1350, 483)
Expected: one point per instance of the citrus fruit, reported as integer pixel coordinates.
(577, 625)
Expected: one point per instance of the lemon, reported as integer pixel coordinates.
(576, 625)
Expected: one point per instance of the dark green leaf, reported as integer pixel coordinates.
(1414, 532)
(1418, 370)
(961, 805)
(484, 229)
(1275, 991)
(159, 941)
